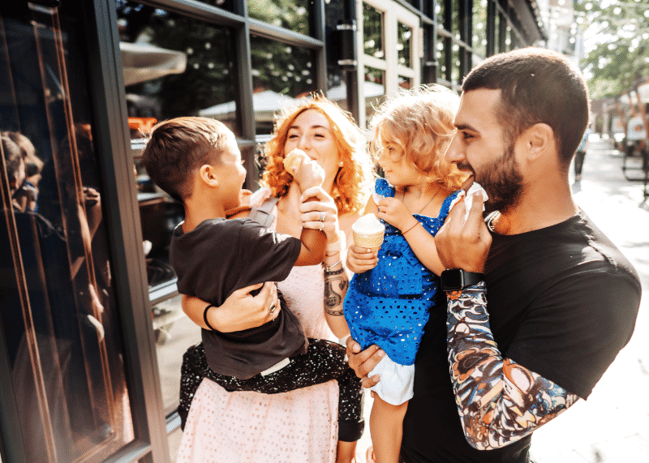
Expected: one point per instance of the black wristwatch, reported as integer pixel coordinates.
(457, 279)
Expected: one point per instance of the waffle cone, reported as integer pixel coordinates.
(368, 240)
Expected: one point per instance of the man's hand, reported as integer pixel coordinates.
(463, 244)
(363, 362)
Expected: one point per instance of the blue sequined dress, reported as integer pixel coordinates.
(389, 305)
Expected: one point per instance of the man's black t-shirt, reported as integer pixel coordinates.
(220, 256)
(562, 302)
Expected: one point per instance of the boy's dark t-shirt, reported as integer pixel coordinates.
(220, 256)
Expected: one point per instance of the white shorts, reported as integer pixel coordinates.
(397, 381)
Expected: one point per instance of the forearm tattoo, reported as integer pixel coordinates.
(498, 400)
(335, 288)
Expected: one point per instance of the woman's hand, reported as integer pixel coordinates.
(321, 206)
(240, 311)
(363, 362)
(360, 260)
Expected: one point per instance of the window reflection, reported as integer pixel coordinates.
(479, 39)
(281, 74)
(374, 89)
(441, 57)
(58, 303)
(223, 4)
(404, 44)
(174, 65)
(373, 32)
(292, 15)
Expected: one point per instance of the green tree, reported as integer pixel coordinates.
(619, 55)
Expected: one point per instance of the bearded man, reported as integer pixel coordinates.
(539, 300)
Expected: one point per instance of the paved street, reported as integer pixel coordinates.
(613, 425)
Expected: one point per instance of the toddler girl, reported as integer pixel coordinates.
(393, 291)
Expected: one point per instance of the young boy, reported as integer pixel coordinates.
(197, 161)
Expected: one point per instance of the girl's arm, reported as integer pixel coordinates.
(421, 242)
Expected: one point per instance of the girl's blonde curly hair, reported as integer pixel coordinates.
(420, 122)
(352, 182)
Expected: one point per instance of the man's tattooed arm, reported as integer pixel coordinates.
(498, 400)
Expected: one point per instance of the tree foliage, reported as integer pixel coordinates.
(619, 30)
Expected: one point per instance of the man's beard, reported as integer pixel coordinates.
(501, 180)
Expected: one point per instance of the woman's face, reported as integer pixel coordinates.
(311, 132)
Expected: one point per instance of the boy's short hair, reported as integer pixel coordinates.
(537, 86)
(177, 147)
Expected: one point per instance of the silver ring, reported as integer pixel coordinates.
(322, 216)
(272, 309)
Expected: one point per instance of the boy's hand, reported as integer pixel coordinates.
(360, 260)
(395, 213)
(308, 173)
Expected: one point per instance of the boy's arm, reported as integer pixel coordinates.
(313, 246)
(421, 242)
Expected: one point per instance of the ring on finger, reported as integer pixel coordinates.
(322, 216)
(272, 309)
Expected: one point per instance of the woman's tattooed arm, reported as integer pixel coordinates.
(498, 400)
(335, 288)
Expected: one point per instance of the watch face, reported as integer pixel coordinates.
(452, 280)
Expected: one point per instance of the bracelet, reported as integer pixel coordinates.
(327, 268)
(333, 247)
(205, 316)
(334, 272)
(416, 223)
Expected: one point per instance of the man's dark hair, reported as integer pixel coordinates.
(537, 86)
(179, 146)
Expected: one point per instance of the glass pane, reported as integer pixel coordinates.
(223, 4)
(455, 70)
(281, 73)
(59, 309)
(293, 15)
(404, 44)
(374, 89)
(373, 32)
(405, 82)
(497, 33)
(441, 57)
(479, 39)
(509, 43)
(439, 11)
(174, 65)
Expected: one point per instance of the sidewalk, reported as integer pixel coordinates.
(613, 425)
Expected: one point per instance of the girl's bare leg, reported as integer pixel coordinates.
(386, 428)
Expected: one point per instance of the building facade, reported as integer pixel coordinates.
(91, 336)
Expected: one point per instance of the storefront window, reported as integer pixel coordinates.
(59, 309)
(404, 44)
(374, 89)
(479, 39)
(373, 32)
(293, 15)
(281, 75)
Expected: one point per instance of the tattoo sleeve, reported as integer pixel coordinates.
(498, 400)
(335, 288)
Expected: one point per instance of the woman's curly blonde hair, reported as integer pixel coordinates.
(420, 122)
(351, 185)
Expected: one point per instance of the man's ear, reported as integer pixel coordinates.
(208, 175)
(539, 140)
